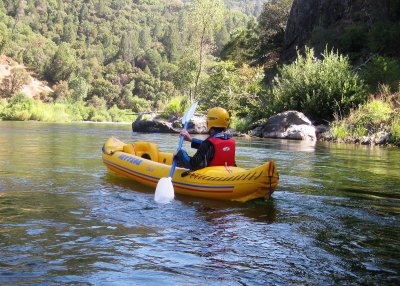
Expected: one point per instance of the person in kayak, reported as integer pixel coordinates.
(217, 150)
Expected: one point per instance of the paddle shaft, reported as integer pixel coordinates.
(171, 173)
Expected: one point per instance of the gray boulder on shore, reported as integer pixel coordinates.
(287, 125)
(292, 125)
(153, 123)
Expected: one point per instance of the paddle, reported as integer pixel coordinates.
(165, 190)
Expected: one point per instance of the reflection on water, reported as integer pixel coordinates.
(63, 220)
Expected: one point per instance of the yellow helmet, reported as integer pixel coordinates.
(217, 117)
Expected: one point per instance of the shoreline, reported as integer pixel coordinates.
(347, 141)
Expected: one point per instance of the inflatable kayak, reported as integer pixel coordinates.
(144, 163)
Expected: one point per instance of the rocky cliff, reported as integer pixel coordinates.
(343, 24)
(32, 88)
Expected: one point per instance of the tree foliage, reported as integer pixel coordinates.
(13, 83)
(238, 89)
(119, 51)
(261, 42)
(150, 54)
(318, 88)
(207, 18)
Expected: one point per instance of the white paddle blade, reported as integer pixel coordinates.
(189, 113)
(164, 191)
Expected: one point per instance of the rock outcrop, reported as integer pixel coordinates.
(33, 88)
(318, 22)
(153, 123)
(287, 125)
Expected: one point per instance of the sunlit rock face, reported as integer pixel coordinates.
(318, 22)
(287, 125)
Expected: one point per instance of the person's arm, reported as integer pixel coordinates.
(186, 136)
(201, 159)
(183, 159)
(203, 156)
(196, 143)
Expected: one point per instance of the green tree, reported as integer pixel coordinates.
(61, 91)
(104, 90)
(78, 87)
(129, 46)
(4, 36)
(63, 63)
(171, 42)
(260, 42)
(154, 61)
(221, 38)
(206, 17)
(236, 88)
(13, 83)
(185, 75)
(69, 34)
(144, 39)
(242, 46)
(272, 24)
(382, 71)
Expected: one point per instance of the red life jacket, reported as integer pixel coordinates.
(224, 152)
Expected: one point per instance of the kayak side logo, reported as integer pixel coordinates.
(130, 159)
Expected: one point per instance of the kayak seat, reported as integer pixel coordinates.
(146, 150)
(165, 158)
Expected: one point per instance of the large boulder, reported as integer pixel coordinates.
(323, 133)
(198, 124)
(153, 123)
(287, 125)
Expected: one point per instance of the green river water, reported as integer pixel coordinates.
(334, 219)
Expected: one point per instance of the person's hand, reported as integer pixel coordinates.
(186, 135)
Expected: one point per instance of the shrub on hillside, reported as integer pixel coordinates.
(176, 107)
(19, 107)
(3, 105)
(99, 115)
(13, 83)
(381, 71)
(237, 89)
(378, 114)
(318, 88)
(120, 115)
(395, 131)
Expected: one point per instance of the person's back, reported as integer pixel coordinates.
(217, 150)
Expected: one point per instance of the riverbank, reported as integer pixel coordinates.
(291, 125)
(375, 123)
(23, 108)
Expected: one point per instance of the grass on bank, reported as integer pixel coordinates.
(22, 108)
(379, 114)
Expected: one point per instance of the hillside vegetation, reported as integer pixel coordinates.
(127, 53)
(107, 59)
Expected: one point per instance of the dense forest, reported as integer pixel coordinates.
(135, 54)
(104, 58)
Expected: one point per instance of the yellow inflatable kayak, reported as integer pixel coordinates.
(142, 162)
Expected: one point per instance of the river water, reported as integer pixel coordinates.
(334, 219)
